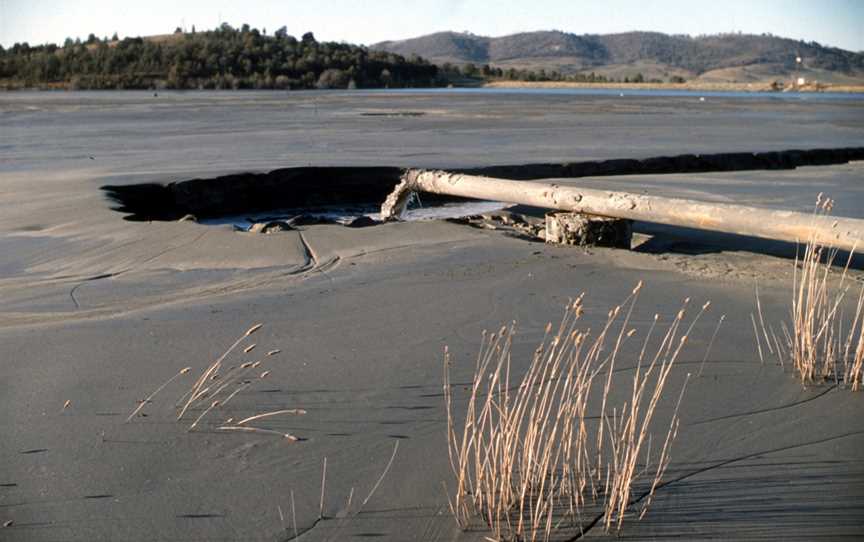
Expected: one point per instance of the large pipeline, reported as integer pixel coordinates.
(842, 233)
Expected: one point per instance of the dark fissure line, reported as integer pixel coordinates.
(720, 464)
(766, 410)
(301, 532)
(88, 279)
(311, 257)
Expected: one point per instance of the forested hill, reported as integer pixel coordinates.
(225, 58)
(740, 57)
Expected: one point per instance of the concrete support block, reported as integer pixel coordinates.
(565, 228)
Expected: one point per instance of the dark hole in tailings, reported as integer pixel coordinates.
(363, 189)
(236, 194)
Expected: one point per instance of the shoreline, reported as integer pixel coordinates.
(756, 88)
(715, 87)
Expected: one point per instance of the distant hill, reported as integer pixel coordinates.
(720, 58)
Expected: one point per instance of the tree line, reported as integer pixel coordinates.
(224, 58)
(245, 58)
(486, 72)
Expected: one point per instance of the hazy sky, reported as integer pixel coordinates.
(833, 22)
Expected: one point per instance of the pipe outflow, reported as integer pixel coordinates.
(842, 233)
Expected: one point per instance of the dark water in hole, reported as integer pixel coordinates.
(344, 216)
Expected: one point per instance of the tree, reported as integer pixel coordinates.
(332, 78)
(178, 30)
(221, 58)
(282, 82)
(281, 32)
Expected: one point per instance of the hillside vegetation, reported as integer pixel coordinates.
(225, 58)
(246, 58)
(726, 57)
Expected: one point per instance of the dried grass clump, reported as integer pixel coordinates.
(824, 344)
(217, 385)
(531, 460)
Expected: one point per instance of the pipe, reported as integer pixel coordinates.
(842, 233)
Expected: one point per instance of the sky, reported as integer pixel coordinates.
(838, 23)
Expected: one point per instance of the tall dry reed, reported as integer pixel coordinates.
(822, 343)
(530, 458)
(217, 385)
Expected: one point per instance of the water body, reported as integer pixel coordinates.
(624, 93)
(345, 216)
(77, 96)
